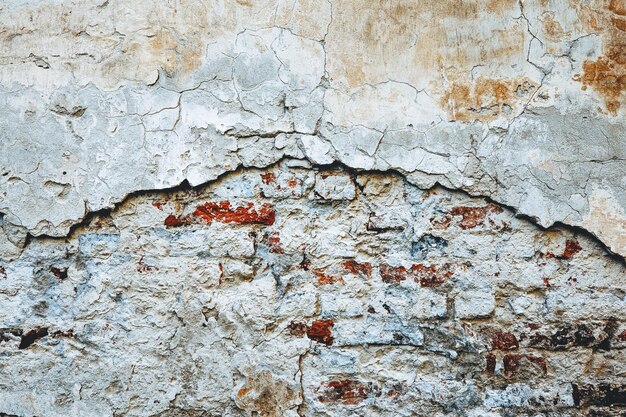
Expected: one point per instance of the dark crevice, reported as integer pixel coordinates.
(185, 186)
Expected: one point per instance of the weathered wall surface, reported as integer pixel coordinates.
(297, 207)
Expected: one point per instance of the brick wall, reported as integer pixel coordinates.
(314, 292)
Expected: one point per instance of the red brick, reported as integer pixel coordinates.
(504, 341)
(346, 392)
(324, 279)
(273, 243)
(490, 363)
(474, 216)
(514, 361)
(426, 276)
(224, 212)
(268, 178)
(174, 221)
(355, 267)
(321, 331)
(572, 247)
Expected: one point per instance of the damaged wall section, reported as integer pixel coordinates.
(295, 290)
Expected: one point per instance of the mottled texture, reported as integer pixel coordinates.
(327, 309)
(298, 207)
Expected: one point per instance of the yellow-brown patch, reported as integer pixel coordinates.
(607, 74)
(485, 99)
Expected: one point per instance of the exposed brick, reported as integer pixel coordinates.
(224, 212)
(474, 216)
(514, 363)
(363, 268)
(174, 221)
(566, 336)
(426, 276)
(321, 331)
(572, 247)
(490, 360)
(347, 391)
(325, 279)
(268, 178)
(430, 276)
(158, 204)
(273, 243)
(393, 275)
(504, 341)
(297, 328)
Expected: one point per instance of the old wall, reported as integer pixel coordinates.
(239, 208)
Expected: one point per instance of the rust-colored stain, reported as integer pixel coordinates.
(175, 55)
(424, 42)
(324, 279)
(243, 391)
(618, 7)
(3, 272)
(551, 26)
(224, 212)
(607, 77)
(404, 40)
(266, 395)
(607, 74)
(485, 99)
